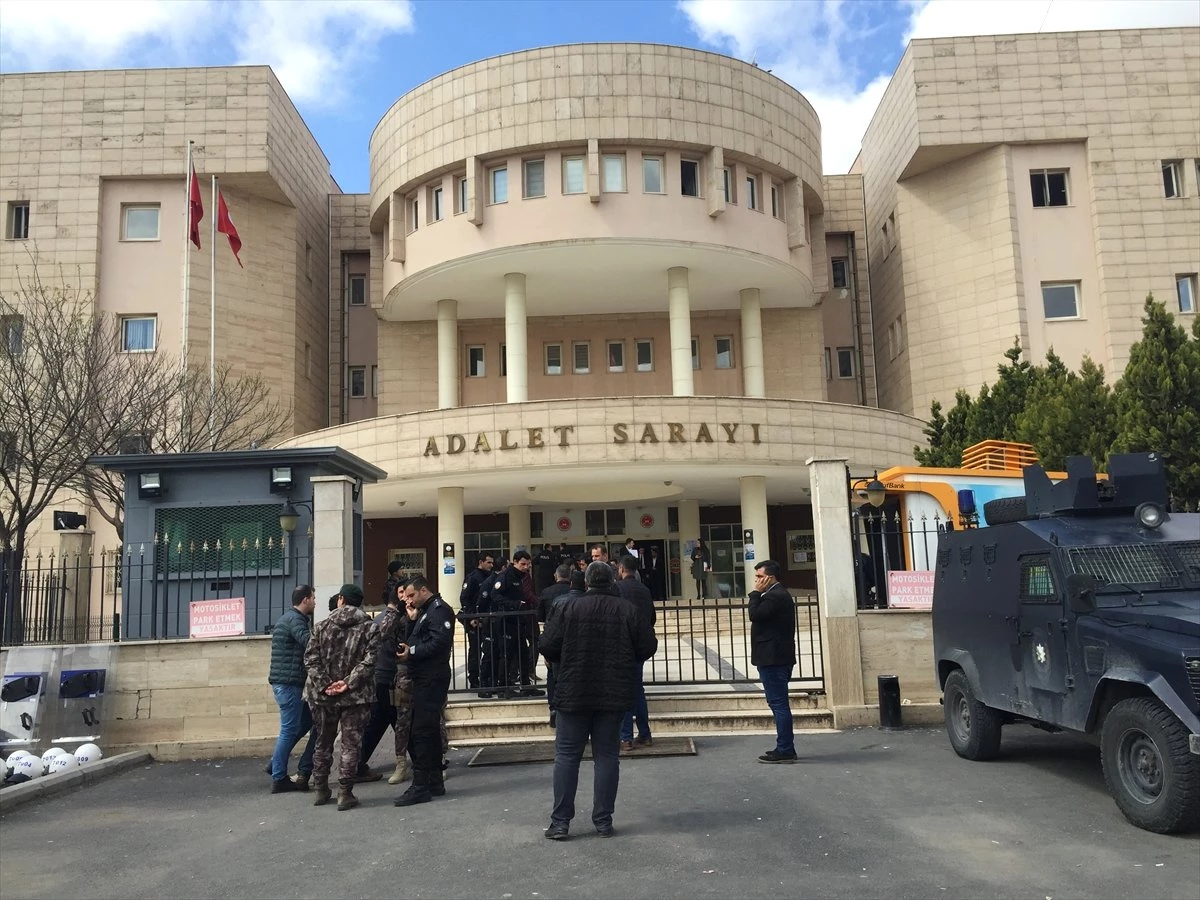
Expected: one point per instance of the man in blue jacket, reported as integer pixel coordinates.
(289, 639)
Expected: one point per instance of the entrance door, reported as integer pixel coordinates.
(1041, 637)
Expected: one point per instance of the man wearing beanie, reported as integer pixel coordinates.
(596, 643)
(340, 689)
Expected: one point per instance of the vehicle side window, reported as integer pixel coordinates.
(1037, 583)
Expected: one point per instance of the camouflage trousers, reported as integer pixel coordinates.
(353, 722)
(403, 700)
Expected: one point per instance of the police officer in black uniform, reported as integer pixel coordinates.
(544, 565)
(471, 602)
(426, 650)
(507, 596)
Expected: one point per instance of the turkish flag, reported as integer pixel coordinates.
(195, 208)
(226, 227)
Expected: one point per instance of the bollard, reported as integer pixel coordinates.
(889, 702)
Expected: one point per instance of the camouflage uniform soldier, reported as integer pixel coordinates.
(340, 659)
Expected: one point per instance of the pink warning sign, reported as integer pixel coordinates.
(910, 590)
(218, 618)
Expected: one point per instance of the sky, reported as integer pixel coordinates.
(344, 62)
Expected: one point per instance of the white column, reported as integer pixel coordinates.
(333, 537)
(753, 381)
(447, 353)
(754, 516)
(689, 530)
(841, 650)
(450, 531)
(679, 305)
(516, 381)
(518, 528)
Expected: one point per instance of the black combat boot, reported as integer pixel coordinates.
(418, 791)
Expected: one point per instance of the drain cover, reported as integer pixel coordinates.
(543, 751)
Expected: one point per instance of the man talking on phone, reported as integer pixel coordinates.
(773, 637)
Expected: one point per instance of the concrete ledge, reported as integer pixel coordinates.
(920, 715)
(49, 785)
(228, 748)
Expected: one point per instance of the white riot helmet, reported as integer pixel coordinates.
(63, 762)
(88, 753)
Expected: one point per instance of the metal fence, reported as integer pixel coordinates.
(886, 542)
(143, 591)
(699, 643)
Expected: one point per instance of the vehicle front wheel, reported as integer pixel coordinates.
(1148, 767)
(974, 729)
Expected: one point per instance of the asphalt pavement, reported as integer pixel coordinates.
(866, 814)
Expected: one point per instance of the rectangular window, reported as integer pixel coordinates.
(1049, 187)
(1060, 300)
(652, 175)
(16, 228)
(475, 366)
(498, 178)
(1037, 584)
(616, 356)
(593, 522)
(828, 365)
(689, 177)
(727, 184)
(358, 381)
(695, 353)
(460, 188)
(554, 359)
(614, 522)
(415, 218)
(139, 223)
(574, 180)
(358, 290)
(374, 381)
(435, 205)
(724, 352)
(1185, 290)
(752, 192)
(1172, 172)
(776, 206)
(535, 178)
(614, 173)
(503, 360)
(645, 355)
(138, 333)
(581, 355)
(845, 362)
(12, 331)
(841, 271)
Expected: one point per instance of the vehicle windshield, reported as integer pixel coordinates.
(1137, 569)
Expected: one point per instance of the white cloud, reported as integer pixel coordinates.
(314, 46)
(809, 44)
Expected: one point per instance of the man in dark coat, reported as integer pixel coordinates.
(289, 638)
(638, 594)
(383, 712)
(596, 642)
(472, 600)
(549, 597)
(773, 643)
(654, 573)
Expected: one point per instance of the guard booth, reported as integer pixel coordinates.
(233, 526)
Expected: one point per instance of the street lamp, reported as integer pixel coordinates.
(289, 516)
(876, 492)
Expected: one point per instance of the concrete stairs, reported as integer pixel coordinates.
(473, 721)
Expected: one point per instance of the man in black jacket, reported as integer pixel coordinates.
(549, 597)
(289, 639)
(426, 650)
(596, 642)
(472, 600)
(638, 594)
(773, 639)
(383, 713)
(507, 667)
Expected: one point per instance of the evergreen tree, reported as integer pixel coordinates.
(948, 435)
(1068, 414)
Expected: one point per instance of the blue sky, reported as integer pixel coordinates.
(344, 62)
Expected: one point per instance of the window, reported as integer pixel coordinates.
(574, 181)
(1049, 187)
(139, 223)
(644, 350)
(652, 174)
(17, 226)
(460, 187)
(503, 360)
(614, 173)
(1060, 300)
(1172, 172)
(695, 353)
(138, 333)
(828, 365)
(841, 271)
(1185, 290)
(12, 331)
(222, 539)
(776, 206)
(475, 366)
(415, 218)
(752, 192)
(435, 205)
(689, 177)
(374, 381)
(358, 290)
(581, 355)
(554, 359)
(535, 178)
(499, 181)
(1037, 584)
(724, 353)
(358, 381)
(845, 362)
(616, 356)
(727, 185)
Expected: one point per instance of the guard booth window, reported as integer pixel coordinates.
(230, 539)
(1037, 584)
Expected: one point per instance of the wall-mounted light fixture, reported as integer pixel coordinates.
(289, 516)
(281, 479)
(149, 485)
(876, 492)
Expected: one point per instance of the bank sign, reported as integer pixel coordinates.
(617, 433)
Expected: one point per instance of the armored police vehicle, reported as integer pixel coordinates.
(1079, 609)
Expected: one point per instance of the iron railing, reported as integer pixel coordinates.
(883, 542)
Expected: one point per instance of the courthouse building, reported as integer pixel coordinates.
(604, 291)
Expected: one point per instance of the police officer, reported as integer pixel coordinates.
(471, 602)
(426, 649)
(508, 599)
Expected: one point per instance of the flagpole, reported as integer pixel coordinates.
(187, 259)
(212, 322)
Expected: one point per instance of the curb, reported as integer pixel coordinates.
(47, 786)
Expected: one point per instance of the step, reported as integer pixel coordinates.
(660, 704)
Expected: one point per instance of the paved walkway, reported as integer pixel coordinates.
(867, 814)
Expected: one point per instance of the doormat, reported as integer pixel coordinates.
(543, 751)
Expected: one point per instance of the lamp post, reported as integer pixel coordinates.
(289, 518)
